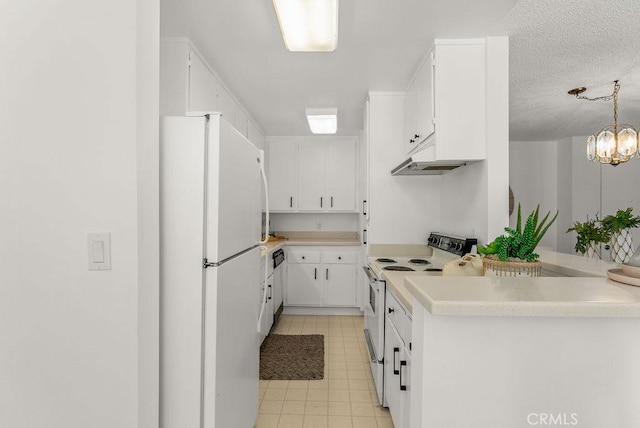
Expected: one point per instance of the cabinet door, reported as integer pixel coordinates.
(312, 176)
(424, 101)
(460, 101)
(203, 85)
(339, 285)
(392, 358)
(283, 176)
(226, 105)
(405, 385)
(410, 129)
(241, 121)
(341, 176)
(304, 285)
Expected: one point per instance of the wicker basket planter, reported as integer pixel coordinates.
(491, 266)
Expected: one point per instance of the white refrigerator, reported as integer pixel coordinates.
(210, 227)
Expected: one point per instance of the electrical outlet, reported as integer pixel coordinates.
(319, 226)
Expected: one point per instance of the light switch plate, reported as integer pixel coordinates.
(99, 251)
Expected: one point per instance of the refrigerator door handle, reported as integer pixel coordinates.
(263, 247)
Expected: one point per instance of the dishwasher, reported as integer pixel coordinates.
(278, 284)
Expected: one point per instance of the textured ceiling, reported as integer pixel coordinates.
(555, 46)
(559, 45)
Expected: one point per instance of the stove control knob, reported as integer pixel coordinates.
(459, 246)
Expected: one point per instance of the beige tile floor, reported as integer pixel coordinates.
(345, 398)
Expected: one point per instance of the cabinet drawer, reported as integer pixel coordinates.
(339, 257)
(302, 256)
(394, 313)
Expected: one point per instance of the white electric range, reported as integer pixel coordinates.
(428, 259)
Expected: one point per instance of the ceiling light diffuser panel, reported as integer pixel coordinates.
(308, 25)
(323, 120)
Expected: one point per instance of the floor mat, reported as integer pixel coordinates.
(292, 357)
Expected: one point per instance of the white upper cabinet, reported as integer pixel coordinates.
(341, 175)
(313, 174)
(186, 84)
(418, 106)
(254, 135)
(226, 105)
(283, 176)
(450, 102)
(241, 121)
(312, 159)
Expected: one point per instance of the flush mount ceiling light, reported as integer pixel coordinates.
(308, 25)
(613, 144)
(322, 120)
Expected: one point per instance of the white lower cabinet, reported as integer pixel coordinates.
(320, 277)
(397, 361)
(304, 284)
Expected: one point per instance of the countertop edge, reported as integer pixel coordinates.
(535, 309)
(275, 245)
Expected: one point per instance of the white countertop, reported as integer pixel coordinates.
(533, 297)
(321, 242)
(574, 265)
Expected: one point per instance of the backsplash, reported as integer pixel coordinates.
(334, 222)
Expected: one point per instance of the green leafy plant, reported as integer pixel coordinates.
(623, 219)
(590, 230)
(519, 243)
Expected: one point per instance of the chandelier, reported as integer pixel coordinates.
(613, 144)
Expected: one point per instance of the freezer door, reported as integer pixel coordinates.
(231, 342)
(233, 189)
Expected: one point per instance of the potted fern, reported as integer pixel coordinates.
(619, 226)
(591, 234)
(512, 254)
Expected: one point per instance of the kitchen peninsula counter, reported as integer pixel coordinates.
(532, 297)
(508, 352)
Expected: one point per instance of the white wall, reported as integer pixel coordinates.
(69, 135)
(534, 180)
(338, 222)
(147, 111)
(558, 174)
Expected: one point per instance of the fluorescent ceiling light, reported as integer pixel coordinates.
(308, 25)
(323, 120)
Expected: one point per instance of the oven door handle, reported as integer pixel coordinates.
(370, 274)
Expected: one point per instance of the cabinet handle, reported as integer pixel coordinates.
(303, 257)
(411, 141)
(416, 137)
(315, 273)
(320, 201)
(332, 202)
(339, 257)
(364, 209)
(291, 202)
(391, 310)
(364, 236)
(269, 298)
(327, 274)
(402, 364)
(395, 351)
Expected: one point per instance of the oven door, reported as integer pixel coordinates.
(374, 328)
(374, 311)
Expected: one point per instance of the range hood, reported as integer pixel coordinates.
(422, 163)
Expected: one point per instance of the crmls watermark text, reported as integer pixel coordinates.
(552, 419)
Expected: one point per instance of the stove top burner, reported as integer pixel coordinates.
(385, 260)
(398, 268)
(419, 262)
